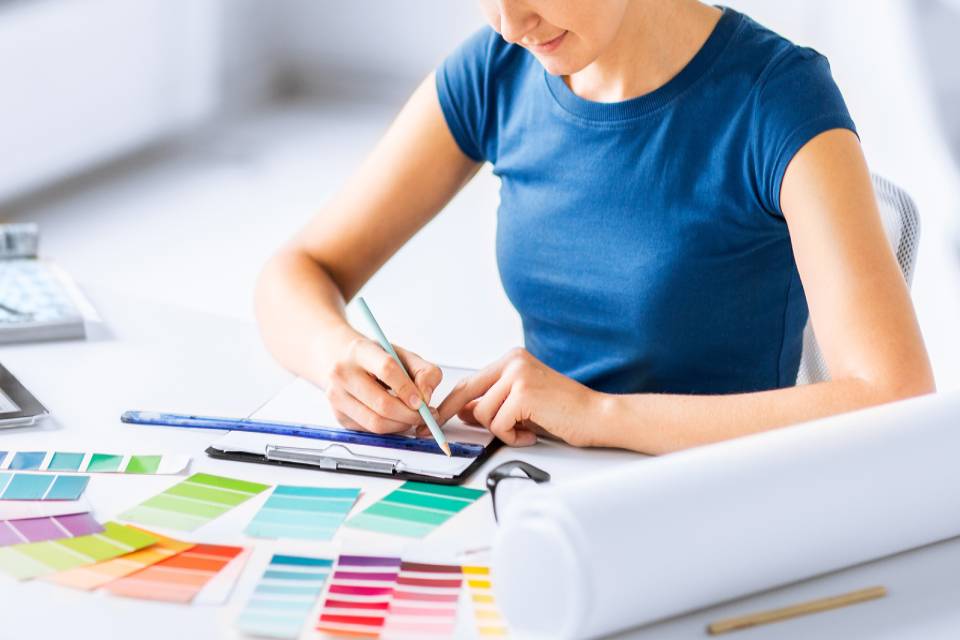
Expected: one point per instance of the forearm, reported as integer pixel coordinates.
(300, 311)
(658, 424)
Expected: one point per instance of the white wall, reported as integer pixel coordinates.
(374, 49)
(85, 80)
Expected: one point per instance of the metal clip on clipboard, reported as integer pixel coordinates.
(322, 459)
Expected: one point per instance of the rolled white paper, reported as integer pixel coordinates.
(668, 535)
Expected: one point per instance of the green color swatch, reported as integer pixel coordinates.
(31, 560)
(193, 502)
(104, 462)
(414, 509)
(143, 464)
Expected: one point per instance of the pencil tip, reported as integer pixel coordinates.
(446, 448)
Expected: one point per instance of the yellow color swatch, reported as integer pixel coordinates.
(489, 622)
(97, 575)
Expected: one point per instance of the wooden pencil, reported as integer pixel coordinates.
(793, 611)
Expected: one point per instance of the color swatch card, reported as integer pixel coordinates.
(194, 502)
(35, 486)
(92, 462)
(359, 596)
(283, 599)
(414, 509)
(36, 559)
(178, 578)
(97, 575)
(218, 589)
(487, 616)
(48, 528)
(424, 602)
(21, 509)
(303, 513)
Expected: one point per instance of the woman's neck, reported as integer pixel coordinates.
(657, 39)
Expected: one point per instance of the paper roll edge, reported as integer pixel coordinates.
(540, 582)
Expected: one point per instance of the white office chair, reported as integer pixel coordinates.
(902, 224)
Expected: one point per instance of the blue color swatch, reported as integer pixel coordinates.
(27, 460)
(29, 486)
(284, 597)
(303, 513)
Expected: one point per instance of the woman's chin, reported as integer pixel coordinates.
(557, 66)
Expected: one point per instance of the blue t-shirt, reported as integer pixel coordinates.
(642, 242)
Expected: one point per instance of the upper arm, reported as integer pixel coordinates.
(415, 169)
(859, 303)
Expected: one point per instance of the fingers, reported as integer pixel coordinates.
(426, 375)
(507, 424)
(487, 406)
(469, 389)
(372, 358)
(353, 414)
(423, 431)
(466, 414)
(365, 389)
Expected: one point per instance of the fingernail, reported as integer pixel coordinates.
(414, 401)
(427, 393)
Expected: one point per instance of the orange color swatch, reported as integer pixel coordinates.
(97, 575)
(179, 578)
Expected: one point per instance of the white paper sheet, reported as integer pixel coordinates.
(673, 534)
(20, 509)
(301, 402)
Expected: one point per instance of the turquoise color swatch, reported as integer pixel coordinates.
(284, 597)
(414, 509)
(303, 513)
(63, 461)
(31, 486)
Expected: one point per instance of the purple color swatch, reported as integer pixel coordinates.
(367, 561)
(49, 528)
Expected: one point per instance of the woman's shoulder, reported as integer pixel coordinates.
(763, 55)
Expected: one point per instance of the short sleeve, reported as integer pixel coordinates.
(797, 101)
(464, 88)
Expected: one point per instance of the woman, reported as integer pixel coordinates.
(679, 186)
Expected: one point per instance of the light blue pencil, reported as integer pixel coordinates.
(423, 409)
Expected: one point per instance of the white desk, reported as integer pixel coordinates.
(155, 357)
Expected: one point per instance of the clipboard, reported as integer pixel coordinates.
(386, 468)
(301, 402)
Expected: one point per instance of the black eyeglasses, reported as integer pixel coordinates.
(507, 479)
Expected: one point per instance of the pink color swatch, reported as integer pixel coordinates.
(424, 602)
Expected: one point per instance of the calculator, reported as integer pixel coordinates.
(36, 303)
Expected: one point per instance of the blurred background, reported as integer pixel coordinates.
(167, 147)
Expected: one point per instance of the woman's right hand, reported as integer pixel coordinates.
(369, 391)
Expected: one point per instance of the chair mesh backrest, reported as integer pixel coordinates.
(902, 224)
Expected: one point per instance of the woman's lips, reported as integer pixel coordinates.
(549, 46)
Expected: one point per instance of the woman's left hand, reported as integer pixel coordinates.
(518, 396)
